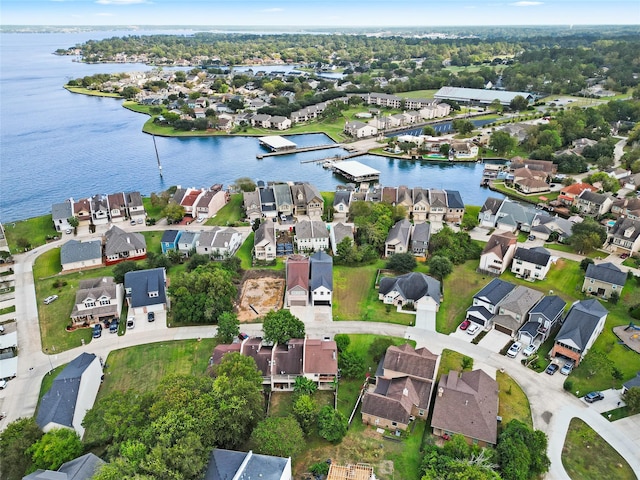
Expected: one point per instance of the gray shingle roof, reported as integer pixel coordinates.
(400, 232)
(536, 255)
(606, 272)
(228, 464)
(59, 403)
(580, 323)
(311, 229)
(81, 468)
(626, 229)
(62, 210)
(494, 291)
(76, 251)
(492, 205)
(412, 286)
(321, 271)
(454, 200)
(117, 240)
(549, 307)
(169, 236)
(143, 282)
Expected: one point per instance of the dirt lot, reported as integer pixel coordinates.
(262, 289)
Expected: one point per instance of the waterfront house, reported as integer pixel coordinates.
(359, 129)
(307, 200)
(145, 290)
(498, 253)
(603, 280)
(420, 208)
(82, 210)
(97, 300)
(455, 207)
(437, 205)
(284, 201)
(135, 207)
(117, 207)
(488, 213)
(60, 214)
(76, 255)
(268, 202)
(252, 207)
(120, 246)
(99, 210)
(398, 238)
(580, 329)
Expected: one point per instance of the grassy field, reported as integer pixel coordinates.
(569, 249)
(152, 211)
(533, 198)
(34, 232)
(153, 238)
(450, 360)
(355, 296)
(587, 456)
(47, 264)
(229, 214)
(513, 403)
(93, 93)
(418, 94)
(465, 282)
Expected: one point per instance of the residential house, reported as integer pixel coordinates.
(117, 207)
(146, 290)
(463, 150)
(337, 233)
(264, 242)
(546, 166)
(341, 203)
(99, 210)
(297, 281)
(626, 207)
(169, 240)
(60, 214)
(467, 404)
(531, 263)
(321, 284)
(359, 129)
(82, 211)
(311, 235)
(634, 382)
(404, 199)
(268, 202)
(280, 123)
(514, 216)
(261, 120)
(229, 464)
(485, 302)
(135, 207)
(209, 202)
(603, 280)
(498, 253)
(455, 207)
(489, 211)
(416, 290)
(420, 239)
(72, 393)
(580, 329)
(530, 181)
(81, 468)
(513, 309)
(403, 388)
(420, 209)
(76, 255)
(542, 318)
(624, 236)
(437, 205)
(284, 202)
(187, 198)
(225, 243)
(569, 193)
(593, 204)
(120, 246)
(97, 300)
(544, 226)
(251, 203)
(187, 243)
(398, 238)
(307, 200)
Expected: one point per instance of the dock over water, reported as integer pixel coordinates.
(290, 151)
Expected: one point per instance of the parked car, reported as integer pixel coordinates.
(514, 349)
(593, 397)
(473, 328)
(131, 323)
(529, 350)
(97, 330)
(243, 336)
(3, 384)
(151, 316)
(50, 299)
(68, 231)
(464, 325)
(133, 222)
(531, 237)
(551, 369)
(113, 326)
(1, 329)
(567, 367)
(200, 219)
(624, 255)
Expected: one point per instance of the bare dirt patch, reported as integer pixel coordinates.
(263, 290)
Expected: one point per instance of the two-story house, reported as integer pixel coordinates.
(398, 238)
(485, 302)
(97, 300)
(297, 281)
(120, 246)
(603, 280)
(498, 253)
(321, 278)
(624, 236)
(542, 318)
(264, 242)
(580, 329)
(513, 309)
(593, 204)
(531, 263)
(311, 236)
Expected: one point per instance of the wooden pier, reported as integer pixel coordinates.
(298, 150)
(336, 158)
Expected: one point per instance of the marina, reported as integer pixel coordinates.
(355, 171)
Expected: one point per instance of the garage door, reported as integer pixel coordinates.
(322, 302)
(298, 303)
(502, 329)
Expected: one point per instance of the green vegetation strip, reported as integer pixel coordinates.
(586, 455)
(514, 404)
(29, 233)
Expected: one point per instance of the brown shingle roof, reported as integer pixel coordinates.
(499, 244)
(404, 359)
(298, 272)
(320, 356)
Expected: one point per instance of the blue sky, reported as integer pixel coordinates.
(390, 13)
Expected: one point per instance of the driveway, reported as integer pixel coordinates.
(495, 340)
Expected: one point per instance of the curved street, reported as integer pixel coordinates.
(552, 408)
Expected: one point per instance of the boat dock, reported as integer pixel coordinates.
(336, 158)
(291, 151)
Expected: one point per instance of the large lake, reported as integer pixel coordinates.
(55, 144)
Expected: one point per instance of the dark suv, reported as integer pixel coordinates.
(113, 326)
(593, 397)
(151, 316)
(97, 330)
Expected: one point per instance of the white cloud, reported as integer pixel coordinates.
(525, 4)
(120, 2)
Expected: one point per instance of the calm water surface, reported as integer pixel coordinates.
(55, 144)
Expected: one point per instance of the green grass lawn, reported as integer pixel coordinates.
(465, 282)
(450, 360)
(419, 94)
(355, 296)
(230, 214)
(533, 198)
(513, 403)
(33, 232)
(47, 264)
(153, 238)
(93, 93)
(152, 211)
(569, 249)
(587, 456)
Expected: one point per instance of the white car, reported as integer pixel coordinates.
(529, 350)
(130, 323)
(50, 299)
(473, 328)
(3, 384)
(514, 349)
(200, 219)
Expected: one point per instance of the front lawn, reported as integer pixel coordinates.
(459, 288)
(513, 403)
(229, 214)
(29, 233)
(450, 360)
(569, 249)
(531, 198)
(153, 211)
(47, 264)
(153, 239)
(586, 455)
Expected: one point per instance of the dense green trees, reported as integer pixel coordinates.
(522, 452)
(502, 143)
(54, 448)
(457, 460)
(332, 425)
(402, 263)
(440, 266)
(632, 399)
(587, 236)
(15, 439)
(278, 436)
(305, 411)
(279, 326)
(228, 327)
(456, 246)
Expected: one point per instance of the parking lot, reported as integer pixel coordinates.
(141, 325)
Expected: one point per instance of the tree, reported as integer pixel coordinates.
(73, 222)
(496, 106)
(15, 440)
(522, 452)
(502, 143)
(332, 425)
(342, 341)
(278, 436)
(351, 364)
(174, 212)
(228, 327)
(632, 398)
(120, 269)
(402, 263)
(584, 264)
(440, 266)
(379, 346)
(519, 103)
(305, 411)
(462, 126)
(56, 447)
(587, 236)
(245, 184)
(279, 326)
(429, 130)
(304, 386)
(196, 260)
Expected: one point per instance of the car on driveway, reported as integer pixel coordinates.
(593, 397)
(131, 323)
(464, 325)
(514, 349)
(567, 367)
(50, 299)
(113, 326)
(551, 369)
(151, 316)
(529, 350)
(97, 330)
(3, 384)
(473, 328)
(624, 255)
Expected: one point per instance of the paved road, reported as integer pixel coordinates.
(551, 407)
